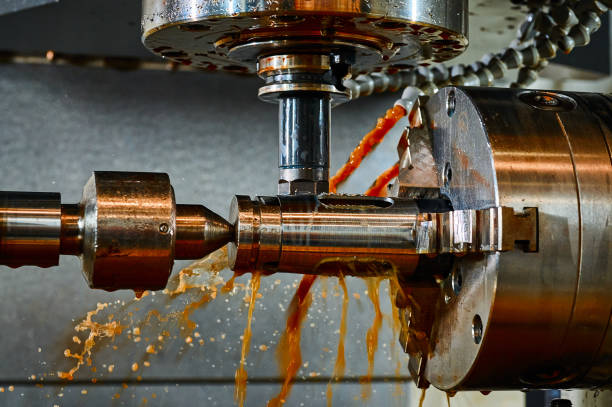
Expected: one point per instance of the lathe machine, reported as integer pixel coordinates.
(498, 225)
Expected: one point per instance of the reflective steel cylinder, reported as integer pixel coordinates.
(304, 125)
(229, 35)
(30, 224)
(324, 234)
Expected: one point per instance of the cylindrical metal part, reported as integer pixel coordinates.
(229, 35)
(128, 230)
(71, 238)
(538, 319)
(304, 123)
(324, 234)
(30, 224)
(199, 231)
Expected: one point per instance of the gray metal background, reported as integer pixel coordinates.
(12, 6)
(215, 139)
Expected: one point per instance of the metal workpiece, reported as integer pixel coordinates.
(230, 36)
(127, 229)
(362, 235)
(536, 316)
(30, 224)
(325, 234)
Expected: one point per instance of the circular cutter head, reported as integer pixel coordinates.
(373, 35)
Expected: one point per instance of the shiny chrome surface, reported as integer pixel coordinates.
(542, 316)
(324, 234)
(204, 33)
(30, 228)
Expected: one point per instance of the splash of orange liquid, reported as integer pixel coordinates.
(422, 399)
(290, 353)
(395, 291)
(229, 286)
(96, 330)
(183, 282)
(373, 284)
(378, 188)
(241, 374)
(323, 281)
(340, 358)
(367, 144)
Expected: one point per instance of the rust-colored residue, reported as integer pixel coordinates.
(373, 285)
(241, 374)
(289, 352)
(340, 358)
(367, 144)
(378, 188)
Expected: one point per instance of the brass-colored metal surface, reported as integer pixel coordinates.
(204, 33)
(298, 73)
(363, 235)
(199, 231)
(71, 236)
(361, 50)
(292, 63)
(532, 317)
(129, 230)
(30, 228)
(324, 234)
